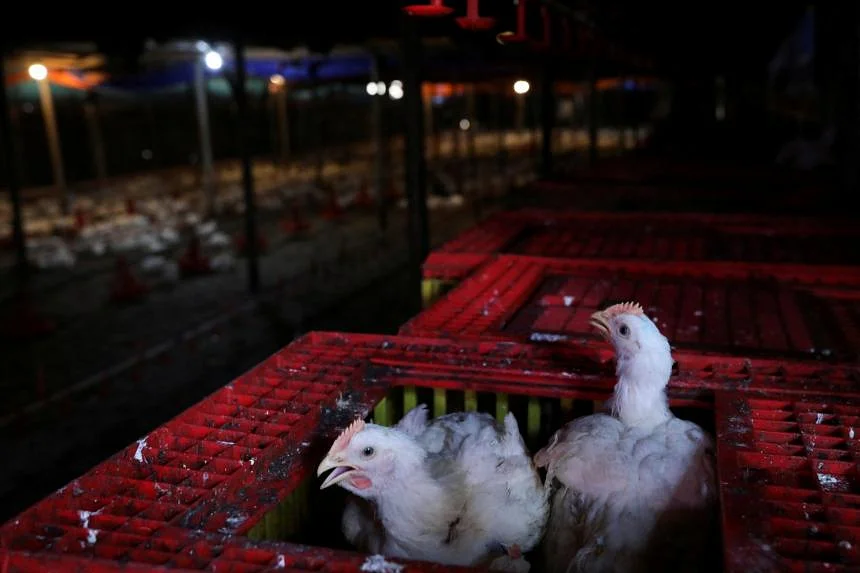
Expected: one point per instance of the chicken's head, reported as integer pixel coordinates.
(367, 457)
(637, 340)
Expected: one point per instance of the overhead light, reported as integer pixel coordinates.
(213, 60)
(521, 87)
(38, 72)
(380, 88)
(465, 124)
(395, 90)
(277, 79)
(372, 88)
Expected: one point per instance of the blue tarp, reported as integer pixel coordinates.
(183, 72)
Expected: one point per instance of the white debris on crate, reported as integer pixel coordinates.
(342, 403)
(92, 536)
(85, 516)
(819, 418)
(828, 480)
(568, 300)
(282, 562)
(235, 521)
(851, 432)
(546, 337)
(378, 564)
(138, 455)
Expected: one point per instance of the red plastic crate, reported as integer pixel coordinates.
(97, 550)
(651, 236)
(753, 309)
(224, 463)
(789, 485)
(262, 428)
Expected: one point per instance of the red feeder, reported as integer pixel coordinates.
(521, 34)
(192, 261)
(126, 286)
(242, 243)
(434, 9)
(332, 210)
(546, 41)
(296, 223)
(363, 199)
(473, 20)
(80, 219)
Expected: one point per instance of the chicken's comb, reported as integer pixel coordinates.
(631, 307)
(343, 439)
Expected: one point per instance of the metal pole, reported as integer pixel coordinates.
(547, 117)
(247, 174)
(283, 121)
(432, 150)
(47, 103)
(319, 116)
(96, 142)
(521, 113)
(471, 150)
(378, 151)
(498, 113)
(208, 172)
(19, 149)
(416, 169)
(592, 113)
(7, 139)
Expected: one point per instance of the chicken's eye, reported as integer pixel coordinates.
(624, 330)
(367, 452)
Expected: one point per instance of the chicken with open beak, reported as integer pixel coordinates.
(348, 462)
(458, 490)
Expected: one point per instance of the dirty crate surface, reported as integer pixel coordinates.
(753, 309)
(789, 482)
(651, 236)
(227, 465)
(91, 548)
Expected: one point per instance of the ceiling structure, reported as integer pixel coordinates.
(680, 37)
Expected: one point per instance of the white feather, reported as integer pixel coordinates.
(465, 488)
(635, 490)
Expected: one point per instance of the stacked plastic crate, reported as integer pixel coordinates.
(676, 237)
(735, 294)
(765, 358)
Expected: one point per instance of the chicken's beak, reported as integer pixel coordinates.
(598, 321)
(340, 473)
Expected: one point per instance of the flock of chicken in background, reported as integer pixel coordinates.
(631, 489)
(157, 225)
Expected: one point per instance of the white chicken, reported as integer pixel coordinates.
(459, 490)
(633, 490)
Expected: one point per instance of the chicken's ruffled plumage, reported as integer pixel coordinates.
(634, 490)
(459, 489)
